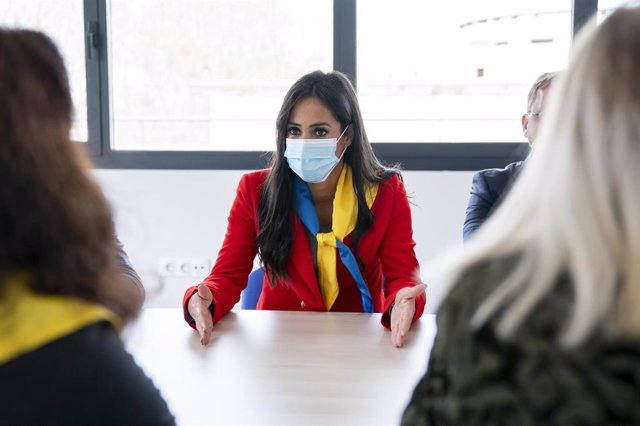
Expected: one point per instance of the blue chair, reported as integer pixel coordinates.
(251, 294)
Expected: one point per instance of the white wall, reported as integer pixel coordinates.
(183, 214)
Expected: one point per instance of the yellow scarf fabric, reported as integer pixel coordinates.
(29, 320)
(345, 215)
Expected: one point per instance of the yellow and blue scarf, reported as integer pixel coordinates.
(30, 320)
(345, 215)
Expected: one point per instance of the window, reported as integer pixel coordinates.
(197, 84)
(438, 71)
(209, 74)
(45, 16)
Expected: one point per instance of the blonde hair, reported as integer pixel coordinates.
(575, 209)
(542, 82)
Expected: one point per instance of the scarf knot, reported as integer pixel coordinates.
(343, 222)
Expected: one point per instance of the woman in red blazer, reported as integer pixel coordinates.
(328, 221)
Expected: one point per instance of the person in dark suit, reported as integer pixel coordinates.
(490, 186)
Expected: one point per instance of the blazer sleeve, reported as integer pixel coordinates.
(480, 204)
(399, 263)
(232, 267)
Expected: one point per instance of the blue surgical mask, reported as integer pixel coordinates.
(313, 159)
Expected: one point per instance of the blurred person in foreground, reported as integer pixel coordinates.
(542, 325)
(491, 186)
(62, 298)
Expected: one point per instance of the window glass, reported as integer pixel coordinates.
(459, 71)
(46, 16)
(210, 74)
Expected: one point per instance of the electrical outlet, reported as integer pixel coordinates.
(200, 267)
(183, 267)
(167, 267)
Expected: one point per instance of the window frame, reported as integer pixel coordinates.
(411, 156)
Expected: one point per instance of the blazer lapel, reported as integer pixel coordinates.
(301, 264)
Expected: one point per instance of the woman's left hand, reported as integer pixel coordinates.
(402, 312)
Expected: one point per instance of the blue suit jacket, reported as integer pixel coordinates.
(488, 189)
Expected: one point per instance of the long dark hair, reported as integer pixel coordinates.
(55, 224)
(275, 237)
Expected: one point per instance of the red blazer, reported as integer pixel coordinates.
(386, 250)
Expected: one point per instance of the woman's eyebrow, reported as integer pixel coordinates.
(322, 123)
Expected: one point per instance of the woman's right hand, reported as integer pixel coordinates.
(198, 308)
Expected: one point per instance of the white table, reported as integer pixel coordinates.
(281, 368)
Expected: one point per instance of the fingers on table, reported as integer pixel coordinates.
(199, 310)
(204, 323)
(400, 323)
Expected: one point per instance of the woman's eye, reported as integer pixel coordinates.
(320, 132)
(293, 131)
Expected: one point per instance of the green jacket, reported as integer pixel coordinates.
(475, 378)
